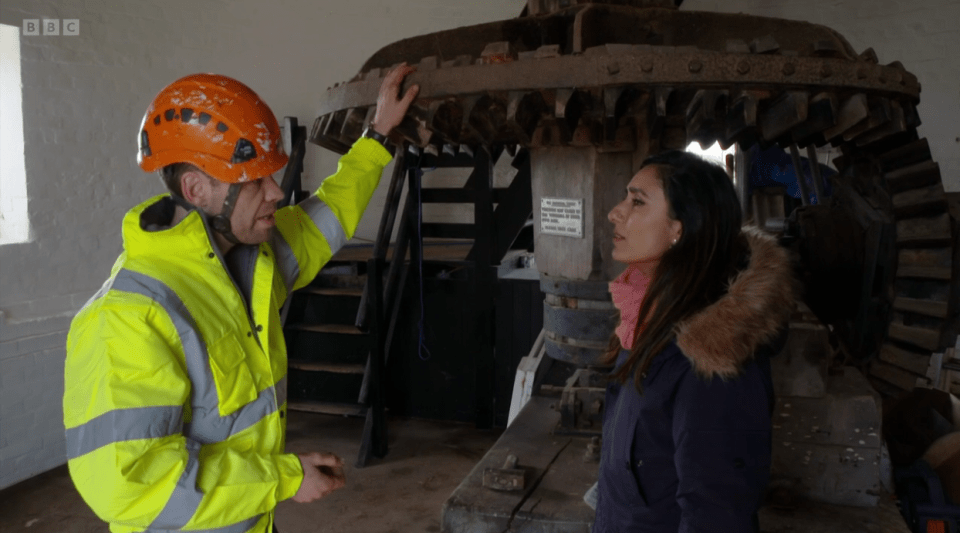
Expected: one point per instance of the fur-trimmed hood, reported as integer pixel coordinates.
(719, 339)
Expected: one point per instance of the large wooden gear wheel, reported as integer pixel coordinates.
(879, 257)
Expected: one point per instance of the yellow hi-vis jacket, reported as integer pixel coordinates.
(175, 395)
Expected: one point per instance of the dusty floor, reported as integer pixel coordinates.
(401, 493)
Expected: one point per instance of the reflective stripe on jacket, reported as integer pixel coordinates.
(174, 393)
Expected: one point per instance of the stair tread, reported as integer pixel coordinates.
(334, 291)
(347, 329)
(315, 366)
(329, 408)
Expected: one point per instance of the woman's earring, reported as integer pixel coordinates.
(674, 243)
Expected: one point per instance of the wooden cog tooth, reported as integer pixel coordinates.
(880, 113)
(785, 113)
(319, 125)
(924, 230)
(821, 115)
(705, 114)
(921, 174)
(925, 338)
(352, 127)
(891, 125)
(905, 359)
(906, 155)
(656, 118)
(920, 200)
(901, 379)
(925, 263)
(930, 308)
(853, 110)
(742, 121)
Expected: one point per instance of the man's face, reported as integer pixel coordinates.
(252, 217)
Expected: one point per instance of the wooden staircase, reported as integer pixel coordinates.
(327, 351)
(339, 330)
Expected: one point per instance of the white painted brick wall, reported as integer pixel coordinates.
(84, 97)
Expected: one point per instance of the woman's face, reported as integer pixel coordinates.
(643, 229)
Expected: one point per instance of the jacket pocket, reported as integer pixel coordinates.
(618, 457)
(231, 374)
(656, 479)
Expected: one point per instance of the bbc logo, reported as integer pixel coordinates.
(51, 27)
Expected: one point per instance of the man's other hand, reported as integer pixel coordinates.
(390, 107)
(322, 474)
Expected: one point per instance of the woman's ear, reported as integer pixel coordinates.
(676, 229)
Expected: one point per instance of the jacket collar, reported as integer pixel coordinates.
(722, 337)
(147, 231)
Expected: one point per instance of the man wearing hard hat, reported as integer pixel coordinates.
(175, 379)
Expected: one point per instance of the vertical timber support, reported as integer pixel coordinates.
(574, 269)
(484, 287)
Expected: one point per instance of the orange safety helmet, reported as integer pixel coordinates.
(215, 123)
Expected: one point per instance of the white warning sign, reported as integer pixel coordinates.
(561, 216)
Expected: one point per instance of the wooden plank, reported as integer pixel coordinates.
(928, 339)
(329, 408)
(346, 329)
(923, 230)
(894, 375)
(923, 307)
(327, 291)
(472, 507)
(448, 230)
(450, 195)
(816, 517)
(905, 359)
(312, 366)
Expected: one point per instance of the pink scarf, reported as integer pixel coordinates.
(627, 292)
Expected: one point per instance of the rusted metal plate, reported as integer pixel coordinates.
(509, 477)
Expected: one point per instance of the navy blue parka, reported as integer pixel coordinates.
(692, 452)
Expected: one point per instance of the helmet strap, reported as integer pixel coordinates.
(221, 222)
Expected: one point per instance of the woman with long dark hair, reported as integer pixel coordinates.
(703, 305)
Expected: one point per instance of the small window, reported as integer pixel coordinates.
(14, 225)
